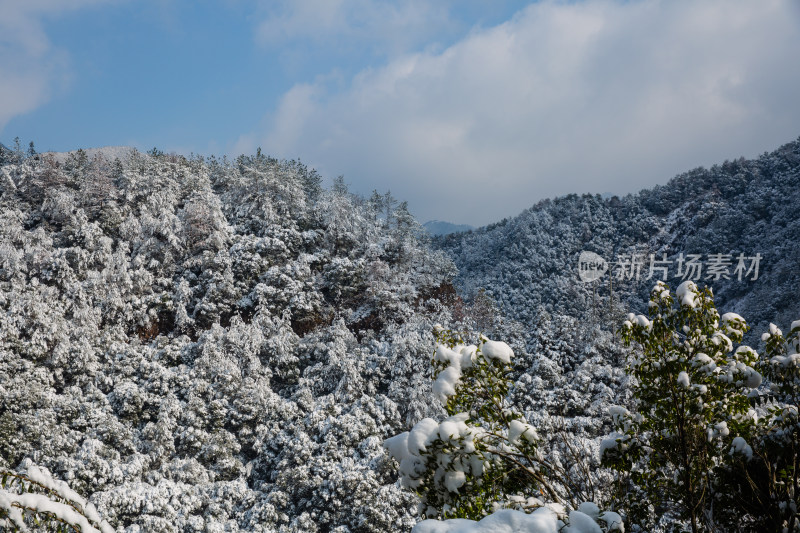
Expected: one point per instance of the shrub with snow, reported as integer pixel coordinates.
(766, 465)
(692, 407)
(484, 452)
(483, 462)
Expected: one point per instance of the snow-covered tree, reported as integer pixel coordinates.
(691, 406)
(763, 479)
(215, 345)
(483, 453)
(485, 456)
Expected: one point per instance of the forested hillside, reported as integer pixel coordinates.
(529, 264)
(209, 345)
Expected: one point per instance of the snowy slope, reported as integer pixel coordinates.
(529, 264)
(209, 346)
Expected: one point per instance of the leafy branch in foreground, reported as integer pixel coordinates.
(34, 498)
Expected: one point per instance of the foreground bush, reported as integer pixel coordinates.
(485, 457)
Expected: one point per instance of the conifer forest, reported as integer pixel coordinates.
(202, 344)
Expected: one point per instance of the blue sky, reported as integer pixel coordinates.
(470, 110)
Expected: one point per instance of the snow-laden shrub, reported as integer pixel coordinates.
(484, 452)
(692, 407)
(765, 469)
(542, 520)
(482, 462)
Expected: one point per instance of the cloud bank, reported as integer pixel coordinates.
(588, 96)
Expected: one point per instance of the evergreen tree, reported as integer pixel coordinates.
(691, 390)
(763, 479)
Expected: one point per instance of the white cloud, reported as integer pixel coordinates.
(31, 69)
(589, 96)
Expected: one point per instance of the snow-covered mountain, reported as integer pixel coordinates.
(205, 344)
(714, 226)
(213, 345)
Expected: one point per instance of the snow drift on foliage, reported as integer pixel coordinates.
(542, 520)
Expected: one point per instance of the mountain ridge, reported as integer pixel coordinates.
(737, 207)
(224, 344)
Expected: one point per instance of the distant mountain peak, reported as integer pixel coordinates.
(439, 227)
